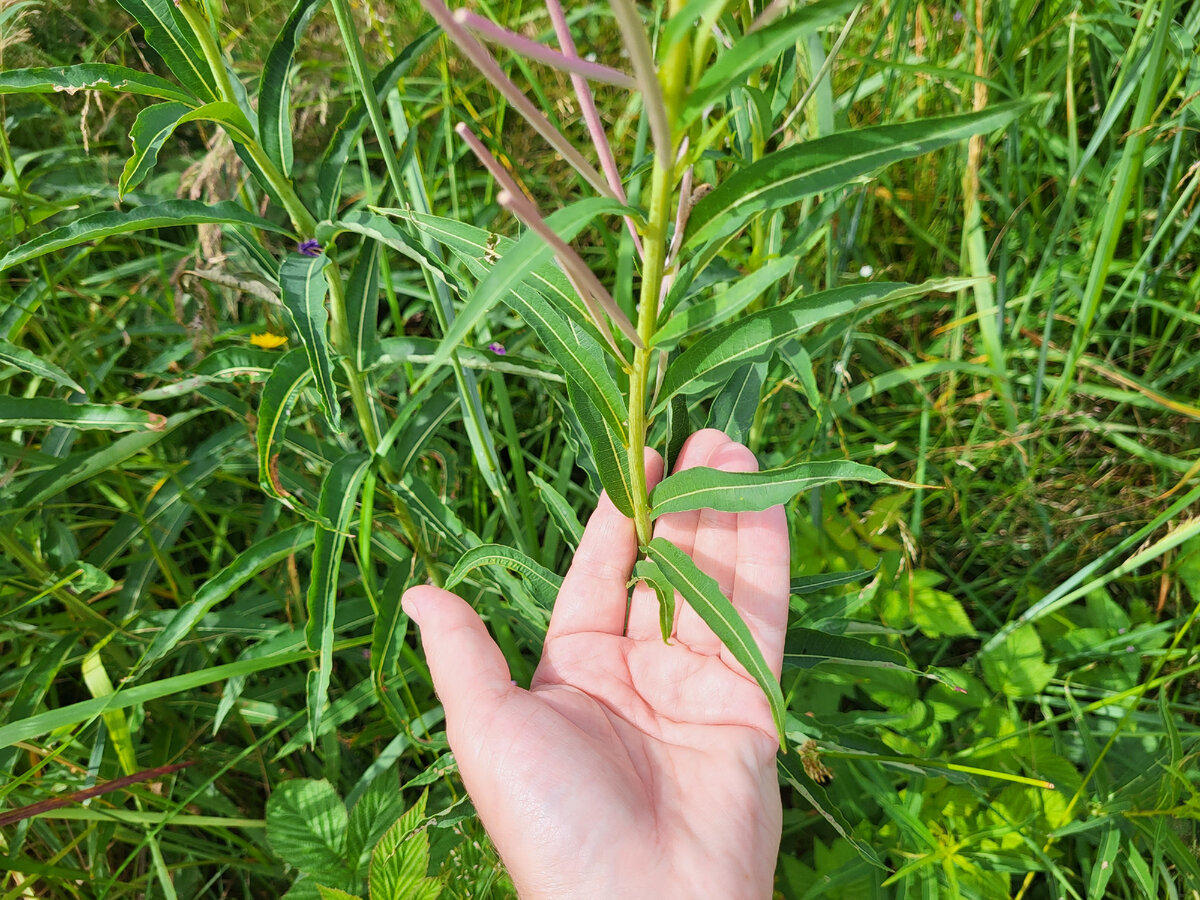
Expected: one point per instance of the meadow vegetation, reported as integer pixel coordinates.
(273, 348)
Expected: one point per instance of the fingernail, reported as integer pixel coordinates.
(410, 606)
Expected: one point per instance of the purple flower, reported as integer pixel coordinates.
(958, 16)
(311, 247)
(498, 349)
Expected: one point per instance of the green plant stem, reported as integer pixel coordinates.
(672, 74)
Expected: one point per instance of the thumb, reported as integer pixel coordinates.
(467, 666)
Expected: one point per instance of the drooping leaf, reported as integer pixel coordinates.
(704, 488)
(28, 361)
(561, 513)
(702, 593)
(279, 395)
(829, 163)
(168, 214)
(339, 497)
(734, 407)
(752, 51)
(90, 77)
(275, 87)
(19, 412)
(755, 337)
(648, 571)
(307, 825)
(543, 585)
(172, 39)
(303, 289)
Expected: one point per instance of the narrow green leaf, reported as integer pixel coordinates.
(362, 306)
(516, 265)
(279, 395)
(307, 825)
(339, 496)
(35, 683)
(90, 77)
(811, 584)
(752, 51)
(1103, 863)
(679, 427)
(686, 20)
(172, 39)
(303, 288)
(168, 214)
(17, 412)
(275, 87)
(830, 163)
(246, 565)
(648, 571)
(704, 488)
(806, 648)
(380, 229)
(702, 593)
(543, 585)
(28, 361)
(561, 513)
(753, 338)
(734, 407)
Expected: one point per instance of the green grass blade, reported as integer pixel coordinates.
(279, 395)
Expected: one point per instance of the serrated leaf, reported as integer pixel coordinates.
(303, 289)
(307, 825)
(339, 496)
(752, 51)
(332, 893)
(275, 87)
(28, 361)
(1017, 667)
(830, 163)
(172, 39)
(704, 488)
(90, 77)
(543, 585)
(279, 395)
(753, 338)
(168, 214)
(702, 593)
(375, 812)
(401, 859)
(20, 412)
(648, 571)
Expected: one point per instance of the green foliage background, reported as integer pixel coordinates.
(1020, 617)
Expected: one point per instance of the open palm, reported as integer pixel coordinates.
(631, 768)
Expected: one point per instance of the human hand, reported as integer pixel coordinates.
(630, 768)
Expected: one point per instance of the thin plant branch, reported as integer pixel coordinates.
(768, 15)
(820, 73)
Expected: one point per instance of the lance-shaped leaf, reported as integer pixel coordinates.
(753, 338)
(247, 564)
(805, 648)
(736, 404)
(279, 395)
(156, 123)
(648, 571)
(704, 488)
(275, 87)
(169, 214)
(755, 50)
(172, 39)
(515, 266)
(380, 229)
(561, 513)
(90, 77)
(829, 163)
(362, 306)
(303, 288)
(339, 495)
(542, 584)
(702, 593)
(18, 412)
(28, 361)
(811, 584)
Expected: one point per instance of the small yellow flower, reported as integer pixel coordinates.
(267, 340)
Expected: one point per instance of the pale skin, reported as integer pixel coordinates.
(630, 768)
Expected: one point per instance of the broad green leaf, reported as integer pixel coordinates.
(90, 77)
(275, 87)
(806, 648)
(648, 571)
(279, 395)
(704, 488)
(543, 585)
(811, 584)
(734, 407)
(28, 361)
(829, 163)
(172, 39)
(246, 565)
(702, 593)
(339, 496)
(401, 859)
(307, 825)
(753, 338)
(561, 513)
(332, 893)
(362, 306)
(708, 313)
(18, 412)
(516, 265)
(168, 214)
(1017, 668)
(752, 51)
(155, 124)
(303, 288)
(375, 812)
